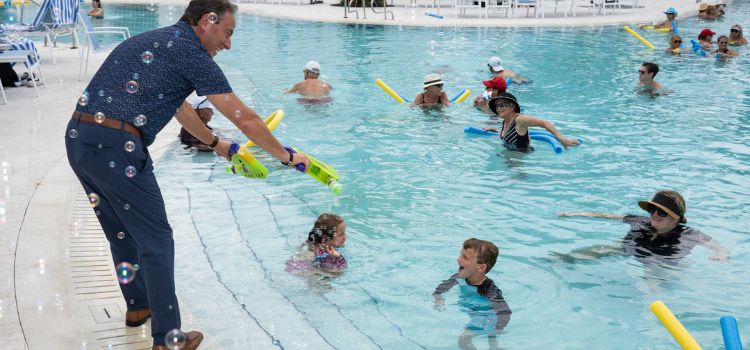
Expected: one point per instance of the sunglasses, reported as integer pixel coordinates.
(659, 212)
(642, 72)
(502, 105)
(677, 41)
(439, 86)
(723, 42)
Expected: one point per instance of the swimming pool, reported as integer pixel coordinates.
(415, 187)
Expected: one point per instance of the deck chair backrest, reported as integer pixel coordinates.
(55, 13)
(89, 28)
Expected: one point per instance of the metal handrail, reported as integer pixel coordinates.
(385, 11)
(347, 6)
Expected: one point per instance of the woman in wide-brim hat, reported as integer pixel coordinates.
(660, 234)
(514, 127)
(433, 94)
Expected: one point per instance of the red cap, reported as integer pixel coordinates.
(496, 83)
(706, 32)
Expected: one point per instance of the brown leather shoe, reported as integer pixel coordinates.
(194, 339)
(137, 317)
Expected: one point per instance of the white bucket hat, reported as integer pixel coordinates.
(432, 79)
(201, 102)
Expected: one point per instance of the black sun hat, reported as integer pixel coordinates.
(492, 104)
(666, 203)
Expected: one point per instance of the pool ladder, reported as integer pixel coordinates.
(348, 8)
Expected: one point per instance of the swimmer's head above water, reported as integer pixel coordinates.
(667, 210)
(495, 64)
(476, 259)
(329, 229)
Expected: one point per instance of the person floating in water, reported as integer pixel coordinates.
(514, 128)
(319, 252)
(646, 75)
(495, 65)
(478, 294)
(311, 86)
(661, 236)
(671, 14)
(723, 51)
(433, 94)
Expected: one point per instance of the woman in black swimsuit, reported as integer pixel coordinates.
(723, 51)
(514, 128)
(433, 94)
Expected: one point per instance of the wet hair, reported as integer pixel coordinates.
(486, 251)
(676, 196)
(197, 8)
(324, 229)
(722, 37)
(651, 67)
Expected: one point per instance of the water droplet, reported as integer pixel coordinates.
(97, 213)
(193, 151)
(112, 164)
(161, 96)
(120, 235)
(126, 206)
(73, 133)
(131, 87)
(212, 18)
(147, 57)
(84, 99)
(99, 117)
(101, 93)
(140, 120)
(177, 33)
(237, 113)
(93, 199)
(276, 342)
(175, 339)
(136, 76)
(125, 273)
(130, 171)
(130, 146)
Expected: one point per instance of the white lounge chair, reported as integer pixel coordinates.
(91, 41)
(54, 18)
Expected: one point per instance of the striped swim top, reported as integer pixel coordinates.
(512, 140)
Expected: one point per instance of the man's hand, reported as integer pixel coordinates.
(299, 158)
(222, 149)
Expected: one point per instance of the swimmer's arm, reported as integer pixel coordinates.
(294, 89)
(528, 121)
(591, 215)
(445, 100)
(721, 253)
(418, 100)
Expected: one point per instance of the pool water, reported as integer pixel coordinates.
(415, 187)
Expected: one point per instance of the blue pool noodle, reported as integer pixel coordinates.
(697, 48)
(674, 27)
(730, 333)
(508, 81)
(433, 15)
(535, 135)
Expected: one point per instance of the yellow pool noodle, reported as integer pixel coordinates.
(673, 325)
(389, 91)
(639, 37)
(271, 122)
(463, 96)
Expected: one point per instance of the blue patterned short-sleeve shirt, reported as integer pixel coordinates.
(151, 74)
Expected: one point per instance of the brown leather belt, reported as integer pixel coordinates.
(107, 123)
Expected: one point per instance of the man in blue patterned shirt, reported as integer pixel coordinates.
(134, 94)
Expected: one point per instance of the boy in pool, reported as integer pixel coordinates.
(646, 75)
(478, 294)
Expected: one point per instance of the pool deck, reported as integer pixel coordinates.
(58, 290)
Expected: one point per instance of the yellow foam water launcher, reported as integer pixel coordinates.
(272, 121)
(320, 171)
(673, 325)
(639, 37)
(243, 163)
(390, 91)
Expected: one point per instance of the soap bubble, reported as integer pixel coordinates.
(84, 99)
(213, 18)
(169, 43)
(55, 13)
(126, 206)
(131, 87)
(136, 267)
(175, 339)
(193, 151)
(177, 33)
(109, 99)
(147, 57)
(156, 45)
(73, 133)
(161, 96)
(130, 172)
(130, 146)
(101, 93)
(99, 117)
(135, 76)
(99, 146)
(140, 120)
(125, 273)
(112, 164)
(237, 113)
(120, 235)
(93, 199)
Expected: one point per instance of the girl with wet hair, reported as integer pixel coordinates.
(319, 250)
